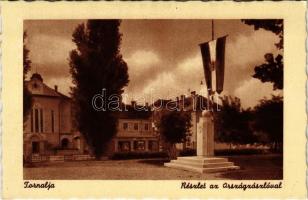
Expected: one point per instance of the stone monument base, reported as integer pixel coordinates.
(202, 164)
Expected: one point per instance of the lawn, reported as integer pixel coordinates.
(253, 167)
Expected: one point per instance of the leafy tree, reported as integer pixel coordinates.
(174, 127)
(27, 99)
(232, 123)
(269, 120)
(273, 25)
(95, 65)
(272, 69)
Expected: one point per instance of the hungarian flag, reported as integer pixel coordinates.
(213, 57)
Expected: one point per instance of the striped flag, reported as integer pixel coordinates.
(213, 57)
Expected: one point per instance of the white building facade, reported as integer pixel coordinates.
(48, 129)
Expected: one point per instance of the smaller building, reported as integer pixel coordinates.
(135, 130)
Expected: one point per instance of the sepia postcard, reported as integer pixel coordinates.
(153, 100)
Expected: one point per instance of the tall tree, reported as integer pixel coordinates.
(268, 113)
(272, 69)
(27, 99)
(232, 122)
(95, 65)
(269, 120)
(174, 127)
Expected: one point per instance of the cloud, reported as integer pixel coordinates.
(186, 75)
(63, 84)
(140, 62)
(164, 85)
(162, 55)
(247, 49)
(143, 66)
(190, 66)
(49, 49)
(253, 90)
(143, 58)
(189, 73)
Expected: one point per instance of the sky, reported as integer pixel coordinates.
(163, 56)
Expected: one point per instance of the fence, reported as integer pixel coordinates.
(44, 158)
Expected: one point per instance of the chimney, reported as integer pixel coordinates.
(56, 88)
(133, 103)
(177, 99)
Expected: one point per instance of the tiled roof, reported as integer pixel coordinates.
(47, 91)
(134, 112)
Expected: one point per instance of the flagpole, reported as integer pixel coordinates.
(212, 29)
(211, 95)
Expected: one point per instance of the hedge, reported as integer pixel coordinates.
(137, 155)
(226, 152)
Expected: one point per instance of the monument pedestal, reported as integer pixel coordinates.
(205, 160)
(202, 164)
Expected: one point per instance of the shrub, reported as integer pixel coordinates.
(231, 152)
(225, 152)
(138, 155)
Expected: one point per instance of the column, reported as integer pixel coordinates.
(205, 135)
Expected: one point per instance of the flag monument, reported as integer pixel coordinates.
(213, 57)
(213, 54)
